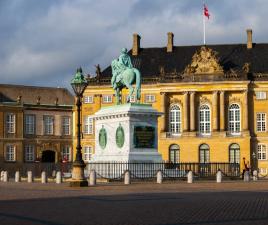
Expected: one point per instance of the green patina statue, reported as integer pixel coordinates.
(124, 75)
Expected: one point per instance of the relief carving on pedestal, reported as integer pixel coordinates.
(204, 61)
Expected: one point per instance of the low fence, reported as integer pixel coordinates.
(36, 168)
(116, 170)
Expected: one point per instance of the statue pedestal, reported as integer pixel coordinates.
(126, 133)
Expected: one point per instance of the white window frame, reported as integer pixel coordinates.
(234, 119)
(204, 153)
(48, 125)
(87, 153)
(260, 95)
(150, 98)
(66, 125)
(29, 121)
(66, 153)
(204, 120)
(261, 152)
(10, 123)
(88, 99)
(261, 122)
(10, 153)
(88, 125)
(107, 98)
(234, 153)
(29, 153)
(175, 119)
(174, 153)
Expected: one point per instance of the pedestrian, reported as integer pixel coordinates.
(244, 167)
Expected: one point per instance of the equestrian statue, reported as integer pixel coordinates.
(125, 75)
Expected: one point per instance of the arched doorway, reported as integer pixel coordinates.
(48, 156)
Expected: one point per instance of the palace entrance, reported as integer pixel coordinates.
(48, 156)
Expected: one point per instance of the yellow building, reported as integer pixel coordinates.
(214, 100)
(35, 125)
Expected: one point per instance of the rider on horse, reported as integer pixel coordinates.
(118, 66)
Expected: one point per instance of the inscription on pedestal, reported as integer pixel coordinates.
(144, 137)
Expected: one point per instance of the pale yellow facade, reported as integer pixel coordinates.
(190, 96)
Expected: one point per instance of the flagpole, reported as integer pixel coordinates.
(204, 24)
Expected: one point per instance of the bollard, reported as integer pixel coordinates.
(5, 177)
(54, 172)
(159, 177)
(190, 177)
(92, 178)
(30, 177)
(255, 175)
(127, 177)
(2, 175)
(219, 176)
(246, 176)
(43, 177)
(58, 178)
(17, 177)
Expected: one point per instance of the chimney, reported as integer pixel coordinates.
(136, 44)
(170, 42)
(249, 41)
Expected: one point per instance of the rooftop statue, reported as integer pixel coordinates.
(125, 75)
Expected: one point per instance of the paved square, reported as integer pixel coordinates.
(232, 202)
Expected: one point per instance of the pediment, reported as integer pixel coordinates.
(204, 61)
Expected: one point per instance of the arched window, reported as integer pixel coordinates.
(204, 119)
(175, 119)
(204, 153)
(174, 154)
(234, 119)
(234, 153)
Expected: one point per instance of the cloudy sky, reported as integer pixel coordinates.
(42, 42)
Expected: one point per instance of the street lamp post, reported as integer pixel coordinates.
(79, 85)
(254, 161)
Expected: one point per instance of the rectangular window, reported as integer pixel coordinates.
(48, 125)
(262, 154)
(260, 95)
(29, 124)
(10, 153)
(261, 122)
(87, 153)
(149, 98)
(88, 129)
(66, 125)
(66, 153)
(29, 153)
(10, 123)
(107, 98)
(88, 99)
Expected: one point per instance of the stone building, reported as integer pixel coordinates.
(35, 124)
(214, 100)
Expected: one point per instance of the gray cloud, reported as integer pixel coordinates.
(43, 42)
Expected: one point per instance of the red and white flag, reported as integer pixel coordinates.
(206, 13)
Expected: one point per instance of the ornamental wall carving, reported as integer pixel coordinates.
(175, 101)
(204, 61)
(204, 100)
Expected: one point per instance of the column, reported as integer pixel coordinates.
(192, 111)
(215, 110)
(163, 110)
(185, 114)
(245, 110)
(222, 110)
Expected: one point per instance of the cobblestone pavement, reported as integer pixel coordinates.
(228, 203)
